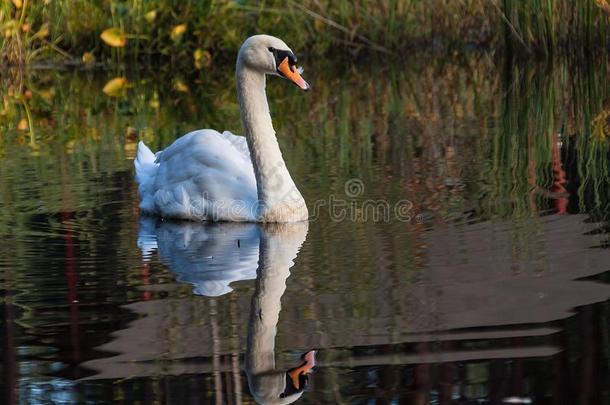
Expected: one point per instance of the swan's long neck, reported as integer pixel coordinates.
(274, 185)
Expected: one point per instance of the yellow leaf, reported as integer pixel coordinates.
(150, 16)
(88, 58)
(23, 125)
(18, 3)
(114, 37)
(318, 25)
(180, 86)
(202, 58)
(47, 94)
(43, 32)
(115, 87)
(69, 146)
(178, 31)
(604, 5)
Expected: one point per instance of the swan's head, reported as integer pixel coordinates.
(270, 55)
(273, 387)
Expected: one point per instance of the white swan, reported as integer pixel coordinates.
(208, 175)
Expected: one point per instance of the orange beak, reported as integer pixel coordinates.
(292, 74)
(309, 361)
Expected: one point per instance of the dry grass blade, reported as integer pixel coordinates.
(341, 28)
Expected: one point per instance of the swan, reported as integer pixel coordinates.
(206, 175)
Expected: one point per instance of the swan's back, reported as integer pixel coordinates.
(204, 175)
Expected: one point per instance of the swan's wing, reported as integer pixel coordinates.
(206, 174)
(227, 141)
(239, 142)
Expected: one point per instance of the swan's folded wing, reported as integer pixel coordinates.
(239, 142)
(206, 174)
(226, 142)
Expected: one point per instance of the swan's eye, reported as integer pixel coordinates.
(271, 49)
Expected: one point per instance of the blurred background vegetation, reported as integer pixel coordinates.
(199, 31)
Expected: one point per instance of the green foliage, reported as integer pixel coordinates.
(177, 29)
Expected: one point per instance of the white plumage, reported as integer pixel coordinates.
(213, 176)
(204, 175)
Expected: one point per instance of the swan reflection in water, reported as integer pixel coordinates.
(211, 257)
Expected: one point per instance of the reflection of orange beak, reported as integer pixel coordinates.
(292, 74)
(309, 362)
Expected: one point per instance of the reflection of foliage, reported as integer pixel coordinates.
(424, 124)
(452, 136)
(600, 126)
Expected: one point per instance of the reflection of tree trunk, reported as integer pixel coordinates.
(215, 354)
(9, 359)
(566, 369)
(386, 377)
(422, 377)
(70, 257)
(517, 371)
(145, 272)
(496, 377)
(235, 368)
(447, 377)
(72, 288)
(560, 363)
(588, 358)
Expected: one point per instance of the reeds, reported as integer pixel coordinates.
(31, 30)
(543, 26)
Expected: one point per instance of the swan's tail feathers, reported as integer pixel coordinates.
(146, 172)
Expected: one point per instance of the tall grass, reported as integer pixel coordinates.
(544, 25)
(177, 29)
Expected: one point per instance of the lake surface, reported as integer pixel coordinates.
(458, 250)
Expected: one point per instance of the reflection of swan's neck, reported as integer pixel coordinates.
(273, 181)
(276, 256)
(279, 246)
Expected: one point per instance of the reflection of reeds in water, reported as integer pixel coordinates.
(545, 135)
(522, 146)
(451, 137)
(588, 136)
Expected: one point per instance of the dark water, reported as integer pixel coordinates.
(458, 251)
